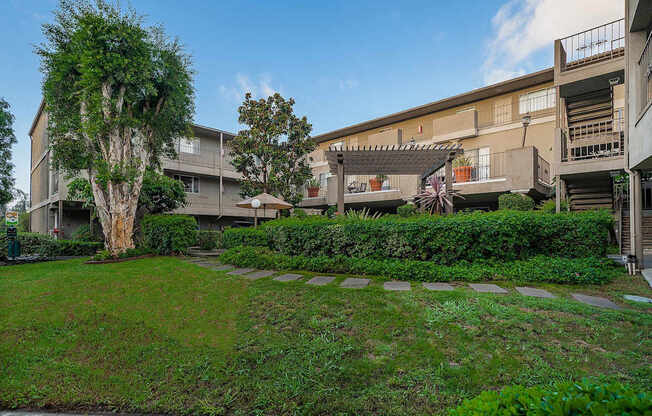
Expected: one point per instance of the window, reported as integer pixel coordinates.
(338, 145)
(190, 183)
(537, 100)
(323, 179)
(503, 111)
(187, 145)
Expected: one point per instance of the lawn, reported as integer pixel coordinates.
(159, 335)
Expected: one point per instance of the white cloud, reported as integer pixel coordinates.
(259, 88)
(347, 84)
(523, 27)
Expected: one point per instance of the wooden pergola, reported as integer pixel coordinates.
(408, 159)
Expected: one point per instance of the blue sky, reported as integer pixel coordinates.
(342, 61)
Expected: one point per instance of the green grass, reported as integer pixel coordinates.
(161, 336)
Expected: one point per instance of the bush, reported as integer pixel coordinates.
(249, 236)
(407, 210)
(45, 245)
(550, 206)
(330, 212)
(536, 269)
(517, 202)
(130, 252)
(500, 235)
(169, 234)
(562, 399)
(83, 233)
(299, 213)
(208, 240)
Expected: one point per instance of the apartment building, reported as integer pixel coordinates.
(203, 165)
(638, 74)
(506, 131)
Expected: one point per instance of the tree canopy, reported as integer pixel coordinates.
(7, 139)
(271, 152)
(117, 95)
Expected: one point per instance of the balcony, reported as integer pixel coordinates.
(599, 44)
(207, 164)
(456, 126)
(645, 76)
(538, 105)
(364, 190)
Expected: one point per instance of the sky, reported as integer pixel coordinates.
(342, 61)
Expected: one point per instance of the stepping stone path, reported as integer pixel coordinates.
(241, 271)
(635, 298)
(486, 288)
(222, 267)
(438, 286)
(396, 285)
(288, 277)
(595, 301)
(320, 280)
(355, 283)
(537, 293)
(260, 274)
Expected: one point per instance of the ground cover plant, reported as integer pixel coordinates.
(158, 335)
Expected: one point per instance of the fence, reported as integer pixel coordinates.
(597, 44)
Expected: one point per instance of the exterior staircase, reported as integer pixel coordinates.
(647, 234)
(595, 194)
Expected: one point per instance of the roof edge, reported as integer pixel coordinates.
(36, 117)
(504, 87)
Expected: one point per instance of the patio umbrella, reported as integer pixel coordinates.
(263, 201)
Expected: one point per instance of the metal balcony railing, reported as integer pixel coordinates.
(480, 168)
(645, 75)
(593, 140)
(598, 44)
(355, 184)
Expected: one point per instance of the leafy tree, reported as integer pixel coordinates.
(117, 94)
(7, 139)
(271, 152)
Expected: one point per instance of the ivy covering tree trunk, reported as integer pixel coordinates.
(118, 94)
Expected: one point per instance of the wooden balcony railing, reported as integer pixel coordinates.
(593, 140)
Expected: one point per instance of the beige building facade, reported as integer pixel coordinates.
(203, 165)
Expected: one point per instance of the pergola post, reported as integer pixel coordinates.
(449, 184)
(340, 186)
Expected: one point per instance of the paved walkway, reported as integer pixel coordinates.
(360, 283)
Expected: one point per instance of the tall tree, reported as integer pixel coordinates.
(7, 139)
(117, 94)
(271, 152)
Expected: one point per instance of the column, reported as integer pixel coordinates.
(340, 186)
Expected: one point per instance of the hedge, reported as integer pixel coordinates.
(45, 245)
(536, 269)
(518, 202)
(168, 234)
(208, 240)
(499, 235)
(562, 399)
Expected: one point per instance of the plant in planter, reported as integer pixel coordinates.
(462, 167)
(376, 183)
(313, 188)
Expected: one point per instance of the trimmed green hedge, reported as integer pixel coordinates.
(249, 236)
(45, 245)
(499, 235)
(518, 202)
(536, 269)
(562, 399)
(169, 234)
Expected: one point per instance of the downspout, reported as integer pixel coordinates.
(221, 175)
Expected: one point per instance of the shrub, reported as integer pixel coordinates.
(330, 212)
(562, 399)
(407, 210)
(83, 233)
(130, 252)
(550, 206)
(208, 240)
(537, 269)
(500, 235)
(77, 248)
(249, 236)
(168, 234)
(45, 245)
(518, 202)
(299, 213)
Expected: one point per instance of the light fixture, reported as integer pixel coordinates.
(614, 81)
(526, 120)
(255, 203)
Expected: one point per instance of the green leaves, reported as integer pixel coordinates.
(7, 139)
(271, 152)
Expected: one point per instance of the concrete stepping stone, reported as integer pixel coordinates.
(487, 288)
(635, 298)
(537, 293)
(595, 301)
(396, 285)
(320, 280)
(241, 271)
(260, 274)
(354, 283)
(438, 286)
(288, 277)
(222, 267)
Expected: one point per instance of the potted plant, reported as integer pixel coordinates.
(313, 188)
(462, 167)
(376, 183)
